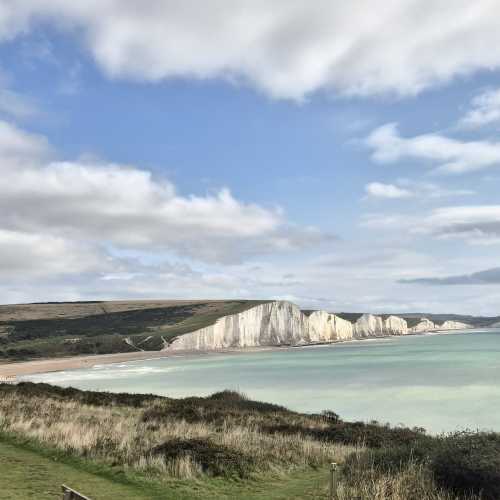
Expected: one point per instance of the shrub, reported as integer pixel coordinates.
(331, 417)
(213, 459)
(214, 409)
(469, 462)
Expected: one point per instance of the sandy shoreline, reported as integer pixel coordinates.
(58, 364)
(22, 368)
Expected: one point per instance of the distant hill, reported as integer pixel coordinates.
(72, 328)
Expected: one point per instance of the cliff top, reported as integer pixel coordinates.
(75, 328)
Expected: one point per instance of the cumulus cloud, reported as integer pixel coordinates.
(124, 206)
(485, 110)
(287, 49)
(487, 277)
(445, 154)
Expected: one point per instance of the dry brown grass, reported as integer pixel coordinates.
(411, 482)
(119, 435)
(194, 438)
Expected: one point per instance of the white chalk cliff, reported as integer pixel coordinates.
(424, 325)
(326, 327)
(454, 325)
(283, 323)
(272, 323)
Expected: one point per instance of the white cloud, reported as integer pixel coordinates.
(127, 207)
(447, 155)
(473, 223)
(431, 191)
(24, 256)
(288, 49)
(485, 110)
(405, 188)
(391, 191)
(20, 148)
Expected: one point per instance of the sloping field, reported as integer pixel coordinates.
(29, 331)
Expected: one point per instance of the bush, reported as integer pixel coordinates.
(214, 459)
(30, 389)
(214, 409)
(469, 462)
(373, 435)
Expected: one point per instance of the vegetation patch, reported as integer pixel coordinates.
(229, 437)
(215, 409)
(213, 459)
(49, 330)
(469, 462)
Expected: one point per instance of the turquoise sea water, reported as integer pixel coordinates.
(440, 382)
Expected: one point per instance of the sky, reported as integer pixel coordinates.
(312, 152)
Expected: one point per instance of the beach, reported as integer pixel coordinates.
(22, 368)
(48, 365)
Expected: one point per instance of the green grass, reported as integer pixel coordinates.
(28, 473)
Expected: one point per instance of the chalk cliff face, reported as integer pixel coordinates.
(326, 327)
(454, 325)
(394, 325)
(283, 323)
(369, 325)
(425, 325)
(273, 323)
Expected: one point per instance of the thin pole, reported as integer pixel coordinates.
(333, 481)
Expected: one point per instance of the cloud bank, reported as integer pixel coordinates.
(62, 217)
(287, 49)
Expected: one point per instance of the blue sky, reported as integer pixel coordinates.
(261, 151)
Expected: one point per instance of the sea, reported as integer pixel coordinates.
(442, 382)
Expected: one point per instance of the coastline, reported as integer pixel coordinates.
(48, 365)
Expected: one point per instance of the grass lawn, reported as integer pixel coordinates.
(26, 474)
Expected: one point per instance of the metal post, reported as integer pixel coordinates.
(333, 481)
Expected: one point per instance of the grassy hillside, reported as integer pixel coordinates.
(58, 329)
(224, 446)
